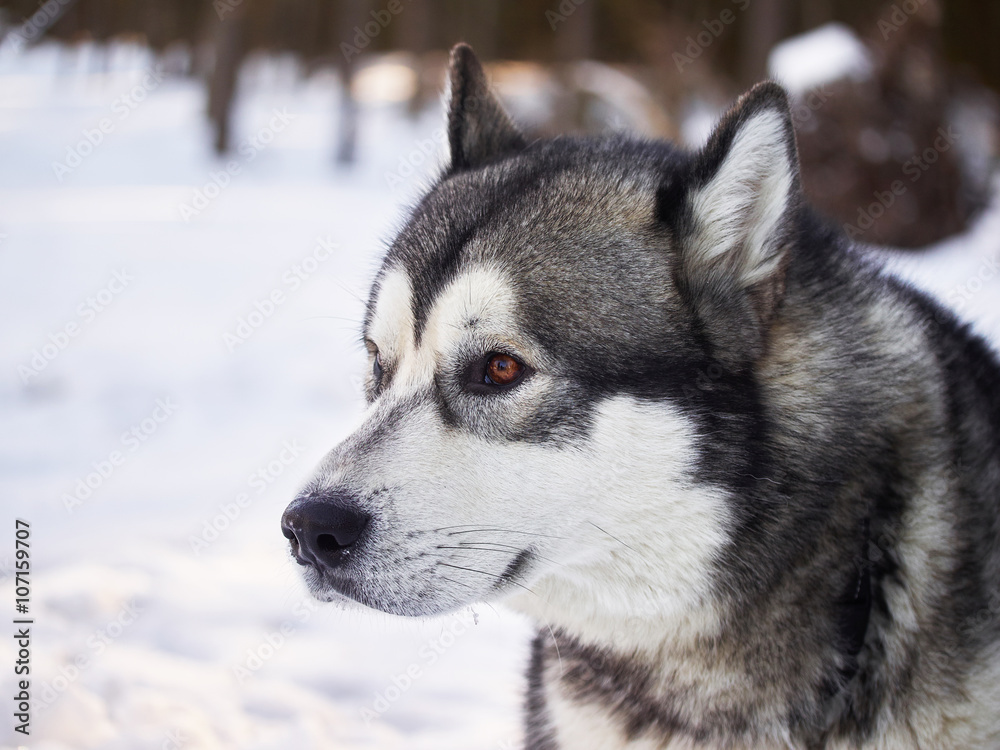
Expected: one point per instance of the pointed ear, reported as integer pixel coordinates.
(737, 220)
(479, 130)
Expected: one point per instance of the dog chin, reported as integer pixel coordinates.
(341, 593)
(346, 595)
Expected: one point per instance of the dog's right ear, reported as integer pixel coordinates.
(479, 129)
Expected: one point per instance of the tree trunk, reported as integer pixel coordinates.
(764, 28)
(352, 14)
(229, 51)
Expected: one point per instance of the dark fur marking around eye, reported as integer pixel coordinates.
(431, 269)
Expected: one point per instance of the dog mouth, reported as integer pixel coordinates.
(334, 588)
(437, 587)
(514, 572)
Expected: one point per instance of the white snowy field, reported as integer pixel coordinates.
(191, 637)
(172, 368)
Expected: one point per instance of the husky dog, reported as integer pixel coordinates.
(747, 484)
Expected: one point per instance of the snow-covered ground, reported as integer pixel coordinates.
(160, 408)
(180, 625)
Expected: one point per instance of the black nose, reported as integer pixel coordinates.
(323, 528)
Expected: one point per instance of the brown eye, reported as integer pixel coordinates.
(502, 369)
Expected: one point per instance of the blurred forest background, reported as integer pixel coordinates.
(146, 140)
(884, 92)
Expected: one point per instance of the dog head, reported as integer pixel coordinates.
(558, 341)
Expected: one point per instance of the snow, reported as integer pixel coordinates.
(823, 55)
(167, 611)
(216, 644)
(962, 271)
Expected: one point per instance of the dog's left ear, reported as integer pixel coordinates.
(733, 220)
(479, 129)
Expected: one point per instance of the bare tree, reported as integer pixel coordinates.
(349, 33)
(229, 49)
(763, 28)
(573, 27)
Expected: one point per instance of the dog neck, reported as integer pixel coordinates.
(686, 674)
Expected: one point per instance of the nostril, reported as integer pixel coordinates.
(321, 528)
(327, 543)
(339, 531)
